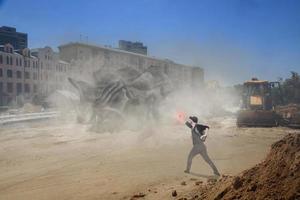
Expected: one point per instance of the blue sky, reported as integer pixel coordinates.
(233, 40)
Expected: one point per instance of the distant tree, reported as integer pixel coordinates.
(291, 88)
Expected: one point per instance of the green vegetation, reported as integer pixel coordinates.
(291, 89)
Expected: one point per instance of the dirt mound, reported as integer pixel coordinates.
(277, 177)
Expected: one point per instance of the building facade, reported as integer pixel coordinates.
(26, 75)
(53, 72)
(9, 35)
(18, 75)
(86, 58)
(134, 47)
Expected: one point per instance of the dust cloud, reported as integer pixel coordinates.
(208, 102)
(67, 158)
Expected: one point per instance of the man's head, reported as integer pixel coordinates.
(194, 119)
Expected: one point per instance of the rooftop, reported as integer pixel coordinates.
(115, 50)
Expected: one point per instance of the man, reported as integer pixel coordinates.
(198, 137)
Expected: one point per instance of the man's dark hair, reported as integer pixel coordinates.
(194, 119)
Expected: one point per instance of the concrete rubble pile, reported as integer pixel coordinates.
(121, 95)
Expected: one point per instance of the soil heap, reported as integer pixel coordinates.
(277, 177)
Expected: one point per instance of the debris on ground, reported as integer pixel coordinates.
(277, 177)
(183, 183)
(198, 182)
(174, 193)
(139, 195)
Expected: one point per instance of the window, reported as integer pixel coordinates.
(27, 75)
(20, 62)
(1, 72)
(19, 74)
(1, 59)
(19, 88)
(17, 61)
(34, 88)
(27, 88)
(1, 87)
(11, 60)
(9, 87)
(9, 73)
(7, 60)
(34, 76)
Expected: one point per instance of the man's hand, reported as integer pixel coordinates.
(203, 138)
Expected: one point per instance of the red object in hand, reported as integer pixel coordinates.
(180, 117)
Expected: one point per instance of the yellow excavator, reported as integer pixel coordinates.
(258, 108)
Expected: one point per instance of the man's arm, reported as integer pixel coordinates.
(204, 136)
(203, 127)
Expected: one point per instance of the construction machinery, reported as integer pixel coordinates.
(290, 115)
(258, 108)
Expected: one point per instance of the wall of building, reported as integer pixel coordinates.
(85, 59)
(26, 74)
(53, 72)
(18, 75)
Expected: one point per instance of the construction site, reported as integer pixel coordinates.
(203, 112)
(117, 140)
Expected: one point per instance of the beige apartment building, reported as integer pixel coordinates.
(18, 75)
(87, 58)
(53, 72)
(26, 75)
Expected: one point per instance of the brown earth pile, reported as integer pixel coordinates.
(277, 177)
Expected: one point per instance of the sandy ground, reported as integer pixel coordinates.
(52, 160)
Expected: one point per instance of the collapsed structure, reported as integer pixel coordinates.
(116, 85)
(120, 95)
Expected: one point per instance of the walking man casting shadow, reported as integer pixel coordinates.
(198, 137)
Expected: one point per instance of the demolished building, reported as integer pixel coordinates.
(118, 86)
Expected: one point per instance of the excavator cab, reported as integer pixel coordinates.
(257, 104)
(258, 94)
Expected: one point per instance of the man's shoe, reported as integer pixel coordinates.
(186, 171)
